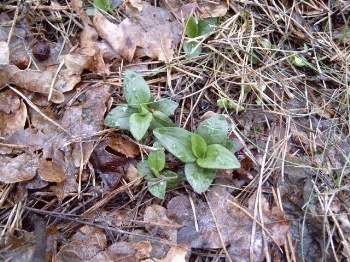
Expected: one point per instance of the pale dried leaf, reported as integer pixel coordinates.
(124, 146)
(14, 121)
(4, 53)
(207, 10)
(18, 169)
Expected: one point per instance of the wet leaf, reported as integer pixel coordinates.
(166, 106)
(119, 117)
(192, 48)
(160, 120)
(136, 90)
(157, 187)
(177, 141)
(214, 130)
(199, 146)
(139, 124)
(156, 161)
(218, 157)
(199, 178)
(172, 183)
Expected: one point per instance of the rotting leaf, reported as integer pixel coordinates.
(13, 121)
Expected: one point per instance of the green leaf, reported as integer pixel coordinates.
(204, 25)
(218, 157)
(144, 170)
(177, 141)
(214, 130)
(172, 183)
(192, 27)
(192, 48)
(104, 5)
(199, 178)
(136, 90)
(119, 117)
(156, 161)
(166, 106)
(139, 124)
(232, 145)
(143, 109)
(160, 120)
(199, 146)
(157, 188)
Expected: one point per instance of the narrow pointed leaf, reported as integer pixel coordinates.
(136, 90)
(156, 161)
(214, 130)
(139, 124)
(192, 27)
(199, 146)
(119, 117)
(218, 157)
(177, 141)
(199, 178)
(166, 106)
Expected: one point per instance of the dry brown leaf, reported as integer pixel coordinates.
(35, 81)
(85, 244)
(212, 9)
(124, 146)
(18, 169)
(176, 253)
(51, 171)
(14, 118)
(157, 214)
(155, 34)
(234, 224)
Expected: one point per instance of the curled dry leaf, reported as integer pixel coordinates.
(155, 34)
(18, 169)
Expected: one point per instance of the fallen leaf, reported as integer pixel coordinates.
(156, 215)
(124, 146)
(176, 253)
(212, 9)
(86, 243)
(155, 34)
(14, 120)
(51, 171)
(233, 224)
(19, 168)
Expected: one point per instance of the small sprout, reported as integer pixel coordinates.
(298, 61)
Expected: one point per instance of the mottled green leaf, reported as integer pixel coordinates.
(139, 124)
(166, 106)
(160, 120)
(156, 161)
(136, 90)
(214, 130)
(157, 188)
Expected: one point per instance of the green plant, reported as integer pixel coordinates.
(141, 112)
(197, 30)
(203, 152)
(157, 179)
(225, 103)
(104, 5)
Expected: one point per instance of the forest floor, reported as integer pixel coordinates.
(277, 70)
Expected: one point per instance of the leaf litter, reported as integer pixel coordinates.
(59, 161)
